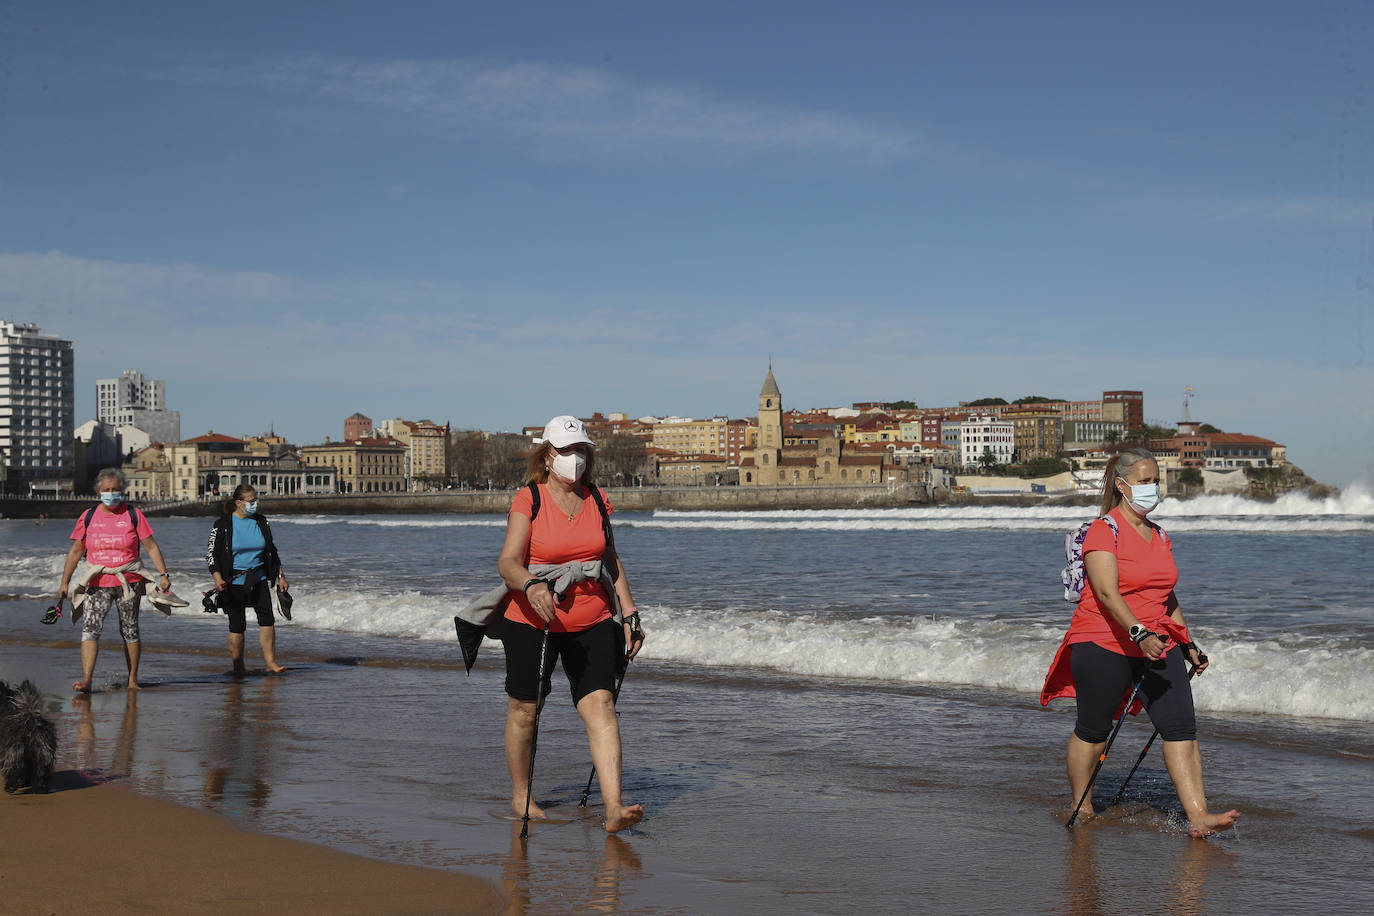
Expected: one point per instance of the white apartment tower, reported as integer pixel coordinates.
(132, 400)
(36, 410)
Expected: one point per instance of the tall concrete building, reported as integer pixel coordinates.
(132, 400)
(36, 410)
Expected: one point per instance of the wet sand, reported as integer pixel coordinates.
(765, 795)
(104, 849)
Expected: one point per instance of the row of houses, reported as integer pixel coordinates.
(214, 464)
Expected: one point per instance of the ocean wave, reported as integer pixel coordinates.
(460, 521)
(1269, 676)
(1350, 512)
(1003, 522)
(1280, 674)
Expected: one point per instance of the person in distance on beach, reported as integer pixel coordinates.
(110, 537)
(553, 546)
(1128, 623)
(243, 560)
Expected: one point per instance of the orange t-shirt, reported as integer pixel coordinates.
(556, 539)
(1146, 575)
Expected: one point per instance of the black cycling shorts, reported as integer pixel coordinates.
(237, 600)
(590, 658)
(1103, 679)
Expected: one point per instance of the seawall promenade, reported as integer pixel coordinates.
(459, 502)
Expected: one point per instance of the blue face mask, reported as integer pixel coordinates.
(250, 508)
(112, 498)
(1144, 497)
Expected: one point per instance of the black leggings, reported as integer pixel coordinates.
(237, 600)
(1103, 679)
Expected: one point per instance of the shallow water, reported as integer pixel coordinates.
(825, 718)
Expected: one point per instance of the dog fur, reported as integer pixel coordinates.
(28, 739)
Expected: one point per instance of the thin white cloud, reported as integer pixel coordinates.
(576, 108)
(1210, 208)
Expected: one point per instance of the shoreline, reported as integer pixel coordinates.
(139, 854)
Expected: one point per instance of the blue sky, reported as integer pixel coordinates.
(493, 213)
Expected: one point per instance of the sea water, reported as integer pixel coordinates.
(834, 709)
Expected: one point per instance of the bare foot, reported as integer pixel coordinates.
(1213, 823)
(81, 686)
(275, 669)
(625, 817)
(1085, 816)
(518, 806)
(133, 685)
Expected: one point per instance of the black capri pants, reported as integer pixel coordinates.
(237, 600)
(590, 659)
(1103, 679)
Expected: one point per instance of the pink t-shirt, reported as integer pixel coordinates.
(1146, 575)
(555, 538)
(111, 540)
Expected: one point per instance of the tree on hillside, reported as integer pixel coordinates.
(1208, 428)
(1036, 399)
(987, 402)
(987, 461)
(902, 405)
(619, 459)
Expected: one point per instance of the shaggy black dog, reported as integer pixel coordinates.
(28, 739)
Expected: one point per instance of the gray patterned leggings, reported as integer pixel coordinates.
(97, 605)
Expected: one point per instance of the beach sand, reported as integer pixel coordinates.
(104, 849)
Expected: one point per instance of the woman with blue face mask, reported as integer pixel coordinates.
(243, 560)
(109, 537)
(1128, 627)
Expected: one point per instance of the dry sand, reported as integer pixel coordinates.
(104, 849)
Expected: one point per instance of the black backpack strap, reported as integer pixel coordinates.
(86, 522)
(534, 500)
(605, 516)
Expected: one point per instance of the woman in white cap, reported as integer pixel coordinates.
(567, 586)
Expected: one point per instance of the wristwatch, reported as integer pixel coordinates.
(1139, 634)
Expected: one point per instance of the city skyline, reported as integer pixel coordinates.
(494, 215)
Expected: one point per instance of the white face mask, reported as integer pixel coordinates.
(568, 467)
(1144, 497)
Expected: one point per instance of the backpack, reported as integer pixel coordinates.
(1074, 575)
(596, 495)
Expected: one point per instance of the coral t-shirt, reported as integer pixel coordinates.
(111, 540)
(556, 539)
(1146, 575)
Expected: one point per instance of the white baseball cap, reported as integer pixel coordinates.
(561, 432)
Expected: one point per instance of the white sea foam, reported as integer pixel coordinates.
(436, 521)
(1246, 676)
(31, 574)
(1278, 675)
(1350, 512)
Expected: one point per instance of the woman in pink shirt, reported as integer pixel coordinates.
(110, 536)
(593, 627)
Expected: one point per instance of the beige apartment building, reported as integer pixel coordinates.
(365, 466)
(686, 436)
(427, 454)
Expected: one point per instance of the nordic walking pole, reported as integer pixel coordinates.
(1102, 758)
(1141, 759)
(534, 736)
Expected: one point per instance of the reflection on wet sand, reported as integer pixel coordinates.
(566, 884)
(240, 749)
(87, 742)
(1178, 885)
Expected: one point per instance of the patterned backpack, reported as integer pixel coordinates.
(1074, 576)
